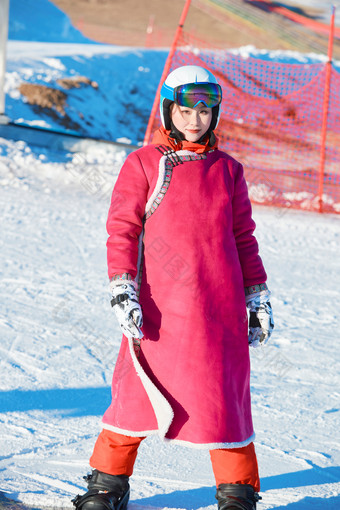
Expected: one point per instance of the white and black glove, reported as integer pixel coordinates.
(127, 308)
(261, 322)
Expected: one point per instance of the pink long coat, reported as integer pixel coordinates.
(190, 383)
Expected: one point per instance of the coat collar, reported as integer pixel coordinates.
(162, 136)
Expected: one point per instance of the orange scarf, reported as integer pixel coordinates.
(161, 137)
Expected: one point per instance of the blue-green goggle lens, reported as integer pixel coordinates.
(192, 94)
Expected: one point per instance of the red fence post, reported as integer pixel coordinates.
(166, 71)
(325, 109)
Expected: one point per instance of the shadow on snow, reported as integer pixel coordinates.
(94, 401)
(67, 401)
(194, 499)
(313, 504)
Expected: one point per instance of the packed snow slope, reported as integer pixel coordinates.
(59, 339)
(59, 342)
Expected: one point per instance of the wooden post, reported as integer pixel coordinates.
(166, 72)
(325, 109)
(4, 10)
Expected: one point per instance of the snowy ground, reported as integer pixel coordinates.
(59, 341)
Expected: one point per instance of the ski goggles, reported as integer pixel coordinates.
(192, 94)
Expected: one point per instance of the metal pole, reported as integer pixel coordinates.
(325, 109)
(4, 14)
(166, 71)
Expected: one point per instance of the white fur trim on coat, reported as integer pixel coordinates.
(162, 409)
(159, 183)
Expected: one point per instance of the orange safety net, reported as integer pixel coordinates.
(271, 121)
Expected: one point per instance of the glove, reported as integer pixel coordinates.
(127, 308)
(261, 322)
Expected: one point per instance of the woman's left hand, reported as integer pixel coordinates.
(261, 321)
(261, 324)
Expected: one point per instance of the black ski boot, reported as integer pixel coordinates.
(234, 496)
(106, 492)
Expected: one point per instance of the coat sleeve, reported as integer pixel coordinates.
(244, 226)
(125, 218)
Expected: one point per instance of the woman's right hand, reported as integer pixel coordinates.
(127, 308)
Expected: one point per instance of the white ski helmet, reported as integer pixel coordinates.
(189, 86)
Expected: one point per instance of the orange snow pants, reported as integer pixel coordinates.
(115, 454)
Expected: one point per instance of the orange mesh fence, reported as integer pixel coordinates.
(271, 121)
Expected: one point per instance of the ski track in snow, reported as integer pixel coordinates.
(59, 342)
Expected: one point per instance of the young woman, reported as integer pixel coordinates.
(183, 266)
